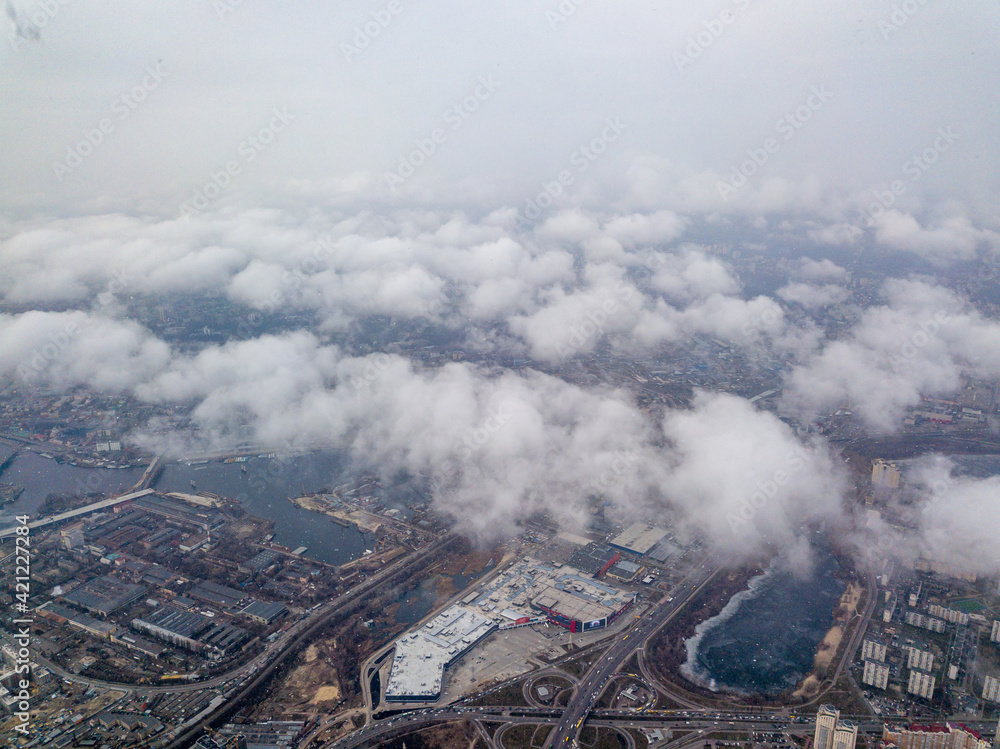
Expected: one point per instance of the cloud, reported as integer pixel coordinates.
(690, 274)
(498, 447)
(838, 234)
(68, 349)
(955, 517)
(946, 241)
(921, 342)
(821, 270)
(742, 475)
(813, 296)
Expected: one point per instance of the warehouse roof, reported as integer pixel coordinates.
(639, 538)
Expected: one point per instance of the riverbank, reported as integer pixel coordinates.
(829, 648)
(668, 653)
(361, 519)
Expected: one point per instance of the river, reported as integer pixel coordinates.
(262, 485)
(263, 490)
(41, 477)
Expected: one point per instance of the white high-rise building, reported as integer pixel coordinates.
(920, 659)
(876, 674)
(885, 474)
(921, 684)
(991, 689)
(845, 735)
(873, 650)
(995, 632)
(826, 725)
(953, 616)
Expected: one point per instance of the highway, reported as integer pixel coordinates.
(691, 725)
(595, 680)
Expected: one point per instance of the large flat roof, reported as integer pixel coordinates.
(592, 558)
(639, 538)
(422, 656)
(565, 590)
(105, 594)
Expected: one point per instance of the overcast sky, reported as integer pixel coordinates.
(692, 102)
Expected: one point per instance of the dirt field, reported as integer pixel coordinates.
(313, 683)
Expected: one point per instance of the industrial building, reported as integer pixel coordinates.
(223, 638)
(140, 645)
(219, 595)
(263, 612)
(625, 571)
(105, 595)
(274, 734)
(594, 559)
(191, 630)
(261, 560)
(639, 538)
(179, 512)
(177, 627)
(422, 657)
(65, 615)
